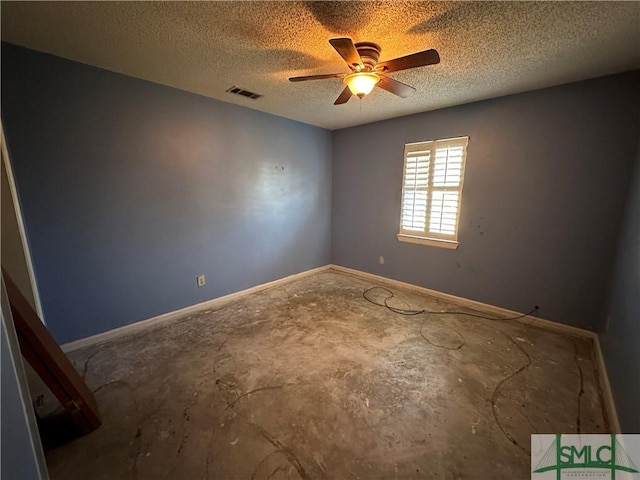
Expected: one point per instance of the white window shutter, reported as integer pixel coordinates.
(416, 182)
(432, 189)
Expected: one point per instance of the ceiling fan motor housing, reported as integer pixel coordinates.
(369, 53)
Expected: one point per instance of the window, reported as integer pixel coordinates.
(432, 191)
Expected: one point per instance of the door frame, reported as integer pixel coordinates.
(20, 221)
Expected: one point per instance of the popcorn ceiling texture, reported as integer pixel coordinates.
(487, 49)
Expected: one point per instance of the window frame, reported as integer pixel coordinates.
(426, 237)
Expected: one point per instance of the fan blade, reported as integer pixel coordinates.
(397, 88)
(420, 59)
(347, 50)
(343, 97)
(317, 77)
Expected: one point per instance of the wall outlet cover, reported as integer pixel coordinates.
(201, 280)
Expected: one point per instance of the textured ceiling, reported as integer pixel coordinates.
(487, 49)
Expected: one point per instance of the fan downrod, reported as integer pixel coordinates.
(369, 53)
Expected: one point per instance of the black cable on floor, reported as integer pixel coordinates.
(496, 390)
(403, 311)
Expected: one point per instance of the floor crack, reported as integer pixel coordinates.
(275, 387)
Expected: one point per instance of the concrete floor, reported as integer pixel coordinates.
(309, 380)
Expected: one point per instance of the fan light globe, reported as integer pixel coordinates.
(361, 83)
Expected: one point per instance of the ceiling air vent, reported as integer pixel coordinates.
(244, 93)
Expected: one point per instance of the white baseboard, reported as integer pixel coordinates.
(610, 407)
(465, 302)
(165, 317)
(603, 377)
(607, 392)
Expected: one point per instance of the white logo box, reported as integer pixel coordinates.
(585, 457)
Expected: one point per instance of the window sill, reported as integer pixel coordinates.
(434, 242)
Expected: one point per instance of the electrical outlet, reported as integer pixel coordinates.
(607, 325)
(201, 280)
(381, 260)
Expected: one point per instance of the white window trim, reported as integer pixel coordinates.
(430, 238)
(434, 242)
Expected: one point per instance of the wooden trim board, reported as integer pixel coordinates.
(217, 302)
(15, 365)
(42, 352)
(165, 317)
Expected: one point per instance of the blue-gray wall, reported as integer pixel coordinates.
(546, 180)
(130, 190)
(620, 339)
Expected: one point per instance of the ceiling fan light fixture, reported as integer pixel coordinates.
(361, 83)
(366, 72)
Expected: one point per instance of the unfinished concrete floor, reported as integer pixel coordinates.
(309, 380)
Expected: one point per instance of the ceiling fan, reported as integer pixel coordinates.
(366, 72)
